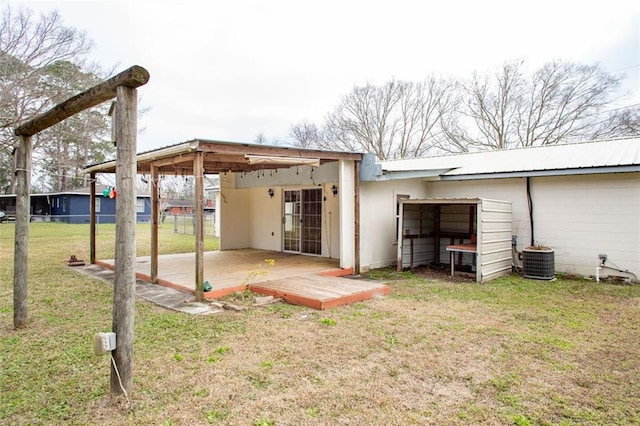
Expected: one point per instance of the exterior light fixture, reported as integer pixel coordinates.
(270, 192)
(334, 190)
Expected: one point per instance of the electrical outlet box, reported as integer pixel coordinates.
(514, 240)
(104, 342)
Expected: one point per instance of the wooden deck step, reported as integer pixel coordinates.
(321, 292)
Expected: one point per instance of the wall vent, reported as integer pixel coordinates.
(538, 263)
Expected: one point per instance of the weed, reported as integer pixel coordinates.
(313, 411)
(222, 350)
(215, 416)
(328, 321)
(264, 422)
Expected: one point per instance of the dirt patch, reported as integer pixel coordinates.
(442, 272)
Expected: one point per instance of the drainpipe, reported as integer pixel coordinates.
(530, 202)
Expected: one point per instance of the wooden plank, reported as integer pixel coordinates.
(21, 243)
(187, 159)
(133, 77)
(241, 149)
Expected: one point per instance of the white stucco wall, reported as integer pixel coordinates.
(579, 216)
(265, 223)
(266, 219)
(378, 246)
(235, 215)
(583, 216)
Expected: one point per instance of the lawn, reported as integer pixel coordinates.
(512, 351)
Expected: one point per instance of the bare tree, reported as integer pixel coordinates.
(306, 134)
(29, 45)
(559, 102)
(64, 149)
(398, 120)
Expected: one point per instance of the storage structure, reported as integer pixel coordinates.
(471, 234)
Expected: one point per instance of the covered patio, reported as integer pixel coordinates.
(297, 206)
(303, 280)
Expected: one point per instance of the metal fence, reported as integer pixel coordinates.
(186, 224)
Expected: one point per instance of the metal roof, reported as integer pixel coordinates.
(607, 156)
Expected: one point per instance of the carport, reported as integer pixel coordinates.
(466, 232)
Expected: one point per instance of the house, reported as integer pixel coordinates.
(176, 207)
(73, 206)
(582, 200)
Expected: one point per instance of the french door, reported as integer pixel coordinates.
(303, 221)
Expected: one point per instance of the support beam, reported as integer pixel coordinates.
(155, 214)
(198, 172)
(92, 219)
(347, 209)
(125, 273)
(133, 77)
(21, 247)
(356, 201)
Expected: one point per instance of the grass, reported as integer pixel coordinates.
(512, 351)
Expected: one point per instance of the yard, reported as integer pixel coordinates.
(512, 351)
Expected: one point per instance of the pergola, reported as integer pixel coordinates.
(199, 157)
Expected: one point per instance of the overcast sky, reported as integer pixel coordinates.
(231, 69)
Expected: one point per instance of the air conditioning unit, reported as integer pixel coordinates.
(538, 263)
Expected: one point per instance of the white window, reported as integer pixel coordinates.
(97, 204)
(140, 205)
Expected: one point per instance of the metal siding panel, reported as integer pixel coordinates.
(494, 249)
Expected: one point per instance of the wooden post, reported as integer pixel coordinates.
(92, 219)
(133, 77)
(21, 247)
(356, 188)
(125, 274)
(198, 172)
(155, 195)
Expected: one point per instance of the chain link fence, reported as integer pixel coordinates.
(186, 224)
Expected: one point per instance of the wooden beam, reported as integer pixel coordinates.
(21, 243)
(92, 219)
(133, 77)
(155, 213)
(199, 216)
(242, 149)
(173, 161)
(356, 188)
(125, 260)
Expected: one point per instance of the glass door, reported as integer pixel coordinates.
(292, 222)
(312, 221)
(303, 221)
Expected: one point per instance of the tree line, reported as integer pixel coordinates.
(561, 102)
(42, 63)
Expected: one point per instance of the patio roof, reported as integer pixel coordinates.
(222, 157)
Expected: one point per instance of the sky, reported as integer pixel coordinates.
(229, 70)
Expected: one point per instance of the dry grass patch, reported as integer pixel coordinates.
(512, 351)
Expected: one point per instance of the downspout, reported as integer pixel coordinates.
(530, 202)
(356, 203)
